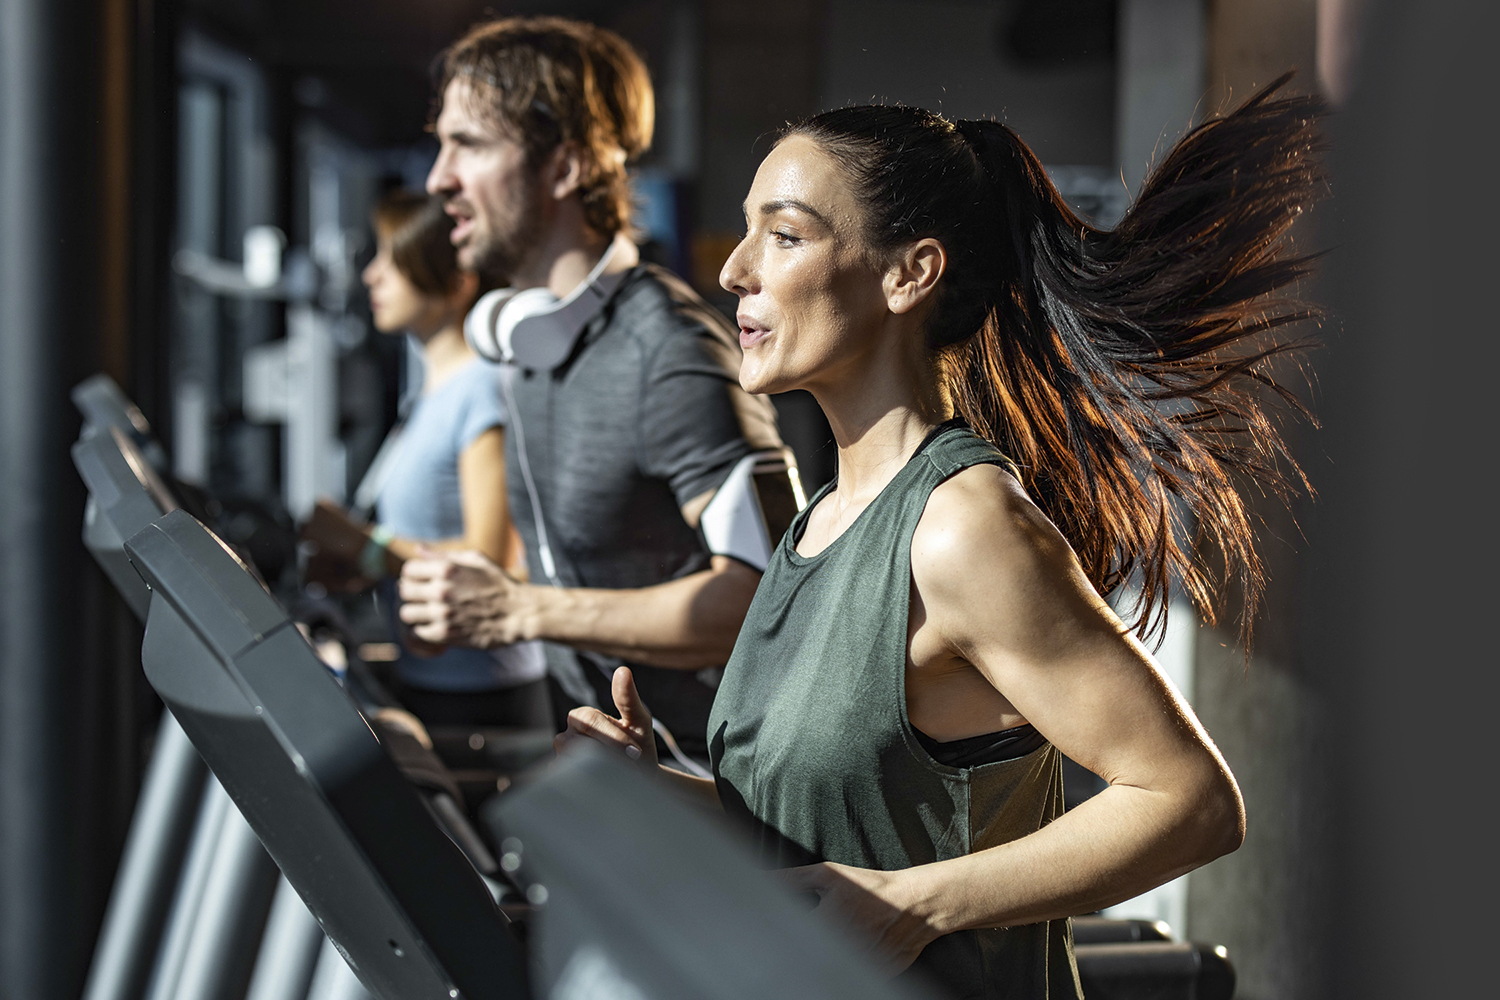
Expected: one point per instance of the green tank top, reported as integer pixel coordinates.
(812, 749)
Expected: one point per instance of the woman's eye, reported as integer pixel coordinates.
(786, 239)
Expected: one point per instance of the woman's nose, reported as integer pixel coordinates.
(733, 276)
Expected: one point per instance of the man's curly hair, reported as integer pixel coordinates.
(549, 80)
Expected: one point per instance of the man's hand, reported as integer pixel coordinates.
(462, 599)
(879, 907)
(630, 734)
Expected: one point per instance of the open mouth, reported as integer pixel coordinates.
(752, 331)
(463, 223)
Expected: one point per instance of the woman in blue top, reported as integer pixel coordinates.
(443, 483)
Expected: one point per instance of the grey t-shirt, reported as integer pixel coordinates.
(646, 414)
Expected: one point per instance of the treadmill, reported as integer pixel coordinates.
(103, 405)
(395, 894)
(397, 897)
(191, 889)
(118, 460)
(390, 888)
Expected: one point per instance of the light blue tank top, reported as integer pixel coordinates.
(420, 500)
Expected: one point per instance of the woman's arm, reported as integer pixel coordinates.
(487, 525)
(481, 492)
(996, 586)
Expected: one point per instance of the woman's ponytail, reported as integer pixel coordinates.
(1126, 371)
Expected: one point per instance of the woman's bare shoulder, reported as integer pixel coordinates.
(981, 539)
(980, 513)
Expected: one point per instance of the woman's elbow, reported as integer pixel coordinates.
(1220, 815)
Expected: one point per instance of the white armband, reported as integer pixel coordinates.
(753, 507)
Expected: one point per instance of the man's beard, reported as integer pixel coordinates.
(499, 254)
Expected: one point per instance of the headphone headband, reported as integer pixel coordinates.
(533, 328)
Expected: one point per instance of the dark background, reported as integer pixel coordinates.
(132, 129)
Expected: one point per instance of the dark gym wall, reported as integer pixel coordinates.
(979, 59)
(1402, 545)
(67, 769)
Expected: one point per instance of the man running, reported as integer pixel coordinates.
(627, 415)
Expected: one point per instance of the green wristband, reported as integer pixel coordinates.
(372, 556)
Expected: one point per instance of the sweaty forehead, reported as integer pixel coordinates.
(799, 171)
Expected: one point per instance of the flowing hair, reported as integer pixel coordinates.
(1127, 371)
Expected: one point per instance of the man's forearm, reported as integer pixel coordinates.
(685, 624)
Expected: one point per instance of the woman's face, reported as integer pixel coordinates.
(395, 303)
(810, 290)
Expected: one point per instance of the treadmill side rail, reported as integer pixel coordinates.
(393, 892)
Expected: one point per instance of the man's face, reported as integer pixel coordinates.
(482, 176)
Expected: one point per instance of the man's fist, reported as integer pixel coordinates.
(462, 599)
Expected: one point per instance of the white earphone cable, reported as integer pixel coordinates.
(549, 566)
(544, 549)
(693, 767)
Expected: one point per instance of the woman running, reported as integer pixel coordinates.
(1028, 411)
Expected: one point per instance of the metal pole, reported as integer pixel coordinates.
(185, 901)
(231, 914)
(50, 180)
(288, 950)
(148, 872)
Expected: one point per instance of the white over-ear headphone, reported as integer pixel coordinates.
(533, 328)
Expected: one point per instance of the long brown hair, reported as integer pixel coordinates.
(1126, 370)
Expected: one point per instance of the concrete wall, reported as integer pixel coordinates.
(760, 69)
(1251, 42)
(1268, 715)
(765, 64)
(1161, 79)
(1263, 902)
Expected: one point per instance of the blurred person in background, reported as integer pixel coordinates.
(622, 440)
(439, 481)
(1027, 411)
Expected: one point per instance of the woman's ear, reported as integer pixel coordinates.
(913, 275)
